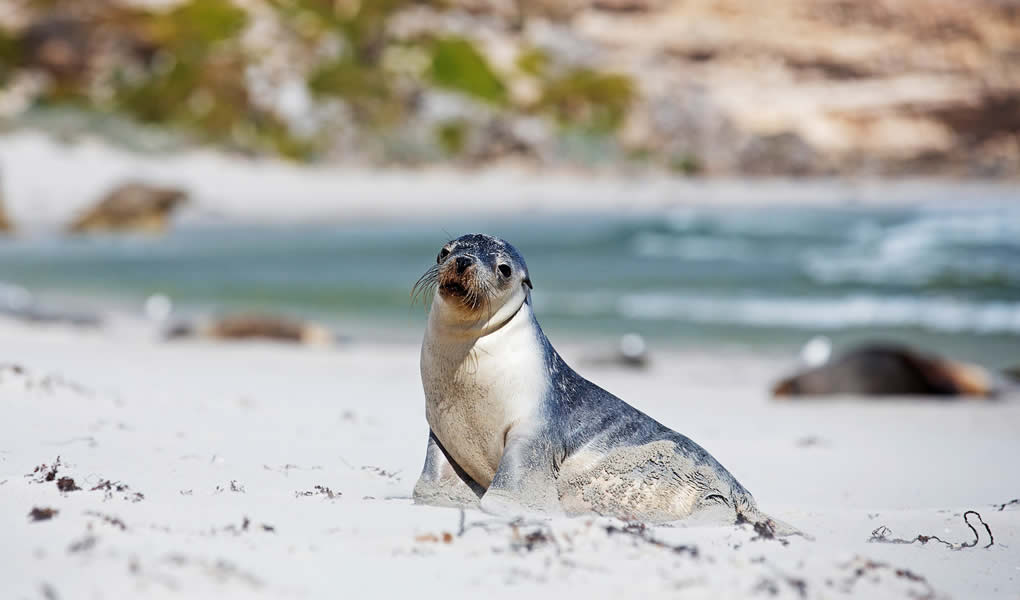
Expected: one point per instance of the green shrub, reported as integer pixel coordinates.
(688, 164)
(458, 66)
(452, 136)
(533, 62)
(194, 26)
(197, 80)
(587, 99)
(10, 55)
(367, 90)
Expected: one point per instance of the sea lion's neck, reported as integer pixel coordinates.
(478, 386)
(450, 347)
(448, 322)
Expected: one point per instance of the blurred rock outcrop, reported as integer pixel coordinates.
(131, 207)
(790, 87)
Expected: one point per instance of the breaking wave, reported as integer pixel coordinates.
(926, 247)
(833, 313)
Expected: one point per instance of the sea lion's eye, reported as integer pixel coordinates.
(505, 270)
(442, 254)
(717, 498)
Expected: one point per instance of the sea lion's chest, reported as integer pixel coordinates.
(475, 391)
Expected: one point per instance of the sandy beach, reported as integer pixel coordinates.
(258, 470)
(711, 197)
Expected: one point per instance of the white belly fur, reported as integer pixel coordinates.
(476, 389)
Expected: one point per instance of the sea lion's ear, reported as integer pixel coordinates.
(527, 282)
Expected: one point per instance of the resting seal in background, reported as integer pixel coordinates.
(515, 430)
(890, 370)
(247, 326)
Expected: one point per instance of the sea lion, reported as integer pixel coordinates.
(514, 430)
(890, 370)
(249, 326)
(5, 224)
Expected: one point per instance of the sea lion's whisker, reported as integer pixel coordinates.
(487, 297)
(425, 286)
(472, 297)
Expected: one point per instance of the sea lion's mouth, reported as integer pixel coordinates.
(452, 288)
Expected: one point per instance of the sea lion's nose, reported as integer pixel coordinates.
(463, 262)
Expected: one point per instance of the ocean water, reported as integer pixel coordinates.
(943, 277)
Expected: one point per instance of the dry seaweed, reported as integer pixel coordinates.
(246, 525)
(641, 532)
(770, 586)
(43, 473)
(870, 566)
(530, 540)
(42, 514)
(320, 490)
(764, 530)
(882, 533)
(67, 484)
(109, 519)
(85, 543)
(381, 472)
(1003, 506)
(109, 487)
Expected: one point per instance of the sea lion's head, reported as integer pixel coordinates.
(478, 279)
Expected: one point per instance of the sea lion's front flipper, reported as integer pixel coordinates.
(767, 526)
(524, 482)
(443, 483)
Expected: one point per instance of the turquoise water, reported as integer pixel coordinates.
(947, 278)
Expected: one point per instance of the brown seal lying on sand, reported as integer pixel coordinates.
(253, 326)
(890, 370)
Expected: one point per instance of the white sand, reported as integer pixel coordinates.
(45, 184)
(215, 435)
(179, 423)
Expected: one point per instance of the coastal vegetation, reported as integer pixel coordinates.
(194, 68)
(919, 87)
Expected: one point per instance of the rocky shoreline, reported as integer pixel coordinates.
(712, 87)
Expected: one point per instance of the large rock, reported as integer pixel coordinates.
(57, 45)
(132, 207)
(781, 153)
